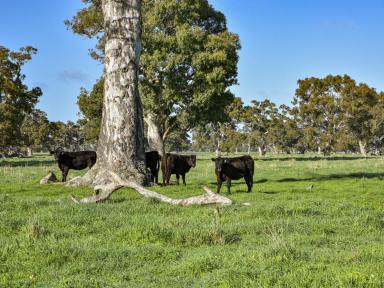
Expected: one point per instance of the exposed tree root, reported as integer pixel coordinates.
(104, 190)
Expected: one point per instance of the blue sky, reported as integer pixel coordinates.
(282, 41)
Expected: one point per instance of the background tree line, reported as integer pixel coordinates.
(331, 114)
(188, 62)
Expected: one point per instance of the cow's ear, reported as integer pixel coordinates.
(213, 159)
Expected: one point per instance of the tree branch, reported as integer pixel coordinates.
(105, 191)
(167, 131)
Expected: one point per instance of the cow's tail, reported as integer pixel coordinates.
(158, 163)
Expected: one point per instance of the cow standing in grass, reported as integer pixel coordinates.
(74, 160)
(228, 169)
(179, 165)
(152, 161)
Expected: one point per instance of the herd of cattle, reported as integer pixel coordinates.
(226, 169)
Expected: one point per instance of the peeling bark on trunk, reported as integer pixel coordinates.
(121, 142)
(363, 148)
(261, 151)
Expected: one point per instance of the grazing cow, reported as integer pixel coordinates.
(179, 165)
(152, 159)
(228, 169)
(74, 160)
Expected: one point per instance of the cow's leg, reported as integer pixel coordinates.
(177, 178)
(157, 176)
(62, 172)
(249, 181)
(219, 182)
(183, 176)
(152, 175)
(65, 173)
(163, 170)
(229, 186)
(168, 177)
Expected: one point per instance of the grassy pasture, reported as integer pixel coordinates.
(312, 222)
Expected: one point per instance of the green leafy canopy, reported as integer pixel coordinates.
(188, 62)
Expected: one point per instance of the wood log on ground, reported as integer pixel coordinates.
(106, 190)
(50, 178)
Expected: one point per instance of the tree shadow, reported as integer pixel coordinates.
(315, 158)
(270, 192)
(27, 163)
(359, 175)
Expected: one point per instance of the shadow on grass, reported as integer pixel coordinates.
(314, 158)
(357, 175)
(270, 192)
(26, 163)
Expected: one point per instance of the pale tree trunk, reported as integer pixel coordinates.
(261, 151)
(156, 139)
(121, 141)
(363, 148)
(249, 148)
(121, 155)
(218, 148)
(29, 151)
(154, 135)
(319, 150)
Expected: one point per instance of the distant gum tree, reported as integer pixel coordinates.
(16, 99)
(360, 114)
(35, 130)
(258, 120)
(318, 112)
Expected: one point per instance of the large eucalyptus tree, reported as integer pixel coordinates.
(121, 142)
(189, 60)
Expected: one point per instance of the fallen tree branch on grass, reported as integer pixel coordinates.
(103, 192)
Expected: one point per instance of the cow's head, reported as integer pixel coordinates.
(191, 160)
(57, 152)
(219, 163)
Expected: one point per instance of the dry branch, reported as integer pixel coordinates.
(106, 190)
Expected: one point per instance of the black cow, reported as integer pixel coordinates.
(152, 159)
(228, 169)
(179, 165)
(74, 160)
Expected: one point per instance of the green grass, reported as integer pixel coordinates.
(312, 222)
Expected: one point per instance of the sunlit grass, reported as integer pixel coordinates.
(312, 222)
